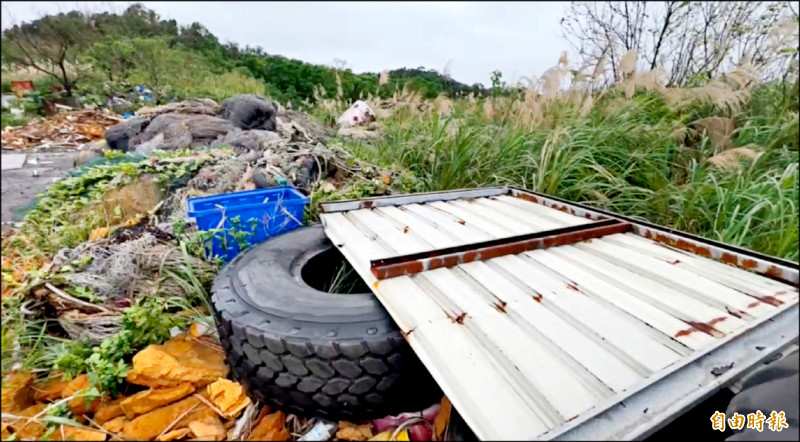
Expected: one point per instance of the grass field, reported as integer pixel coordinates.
(720, 161)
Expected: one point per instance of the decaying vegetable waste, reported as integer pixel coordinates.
(107, 329)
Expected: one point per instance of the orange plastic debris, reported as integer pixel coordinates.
(271, 427)
(351, 431)
(50, 389)
(65, 432)
(174, 434)
(115, 425)
(153, 423)
(208, 429)
(147, 400)
(181, 359)
(29, 430)
(228, 396)
(17, 392)
(442, 419)
(98, 233)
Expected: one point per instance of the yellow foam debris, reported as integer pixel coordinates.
(179, 360)
(271, 427)
(208, 429)
(228, 396)
(66, 432)
(25, 429)
(17, 392)
(116, 424)
(147, 400)
(180, 433)
(351, 431)
(151, 424)
(109, 410)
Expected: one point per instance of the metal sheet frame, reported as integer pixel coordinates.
(453, 256)
(770, 266)
(399, 200)
(766, 265)
(665, 393)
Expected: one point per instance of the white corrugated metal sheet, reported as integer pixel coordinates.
(524, 343)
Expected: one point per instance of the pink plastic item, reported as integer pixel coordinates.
(358, 114)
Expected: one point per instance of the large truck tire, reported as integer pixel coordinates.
(308, 351)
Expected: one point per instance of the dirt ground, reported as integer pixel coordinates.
(20, 187)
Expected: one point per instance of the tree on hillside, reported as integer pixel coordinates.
(136, 21)
(113, 57)
(50, 45)
(691, 41)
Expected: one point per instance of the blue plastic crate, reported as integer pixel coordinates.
(253, 216)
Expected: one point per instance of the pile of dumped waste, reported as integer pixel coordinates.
(107, 330)
(178, 390)
(66, 131)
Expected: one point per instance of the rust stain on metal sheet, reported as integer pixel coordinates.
(407, 335)
(462, 222)
(367, 204)
(527, 197)
(405, 229)
(537, 296)
(770, 300)
(749, 264)
(678, 243)
(705, 327)
(573, 286)
(500, 307)
(460, 318)
(737, 313)
(775, 272)
(742, 262)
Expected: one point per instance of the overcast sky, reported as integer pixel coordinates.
(519, 39)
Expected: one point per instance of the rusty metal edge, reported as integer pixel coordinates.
(397, 200)
(770, 266)
(452, 256)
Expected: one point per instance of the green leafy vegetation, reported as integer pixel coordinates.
(623, 156)
(147, 322)
(119, 51)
